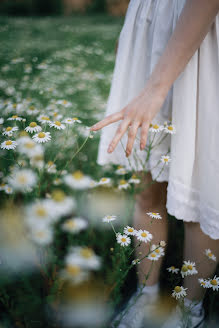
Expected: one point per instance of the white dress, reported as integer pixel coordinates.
(192, 104)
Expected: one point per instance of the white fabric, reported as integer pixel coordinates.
(192, 103)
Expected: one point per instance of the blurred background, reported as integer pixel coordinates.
(62, 7)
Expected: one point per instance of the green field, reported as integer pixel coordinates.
(62, 67)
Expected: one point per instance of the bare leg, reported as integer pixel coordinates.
(152, 199)
(195, 244)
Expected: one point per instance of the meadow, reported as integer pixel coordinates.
(65, 258)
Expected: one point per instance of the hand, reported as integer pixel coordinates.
(138, 113)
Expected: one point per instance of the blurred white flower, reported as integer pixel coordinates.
(123, 184)
(74, 225)
(22, 180)
(77, 180)
(109, 218)
(83, 257)
(210, 255)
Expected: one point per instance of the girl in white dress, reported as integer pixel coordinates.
(167, 68)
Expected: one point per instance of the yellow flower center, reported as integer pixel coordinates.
(31, 107)
(73, 270)
(55, 114)
(77, 175)
(134, 176)
(9, 128)
(155, 126)
(153, 255)
(8, 143)
(75, 118)
(14, 105)
(157, 251)
(50, 163)
(190, 267)
(122, 182)
(87, 253)
(71, 224)
(170, 128)
(45, 118)
(203, 283)
(130, 230)
(41, 135)
(213, 282)
(65, 102)
(58, 123)
(40, 234)
(103, 179)
(23, 133)
(22, 179)
(172, 267)
(143, 234)
(178, 289)
(33, 124)
(153, 213)
(58, 195)
(166, 159)
(40, 211)
(29, 145)
(184, 268)
(123, 239)
(14, 116)
(210, 254)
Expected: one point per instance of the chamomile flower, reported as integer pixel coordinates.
(57, 125)
(76, 120)
(165, 159)
(144, 235)
(204, 283)
(120, 170)
(178, 292)
(33, 128)
(188, 269)
(155, 128)
(136, 261)
(62, 204)
(68, 120)
(42, 137)
(153, 256)
(123, 240)
(50, 167)
(15, 118)
(9, 130)
(9, 144)
(29, 148)
(74, 225)
(104, 181)
(109, 218)
(43, 119)
(74, 273)
(158, 250)
(84, 257)
(64, 103)
(129, 231)
(162, 243)
(210, 255)
(134, 179)
(8, 190)
(78, 180)
(214, 283)
(23, 180)
(154, 215)
(42, 235)
(40, 212)
(123, 184)
(170, 129)
(32, 110)
(172, 269)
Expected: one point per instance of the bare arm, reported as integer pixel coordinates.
(193, 24)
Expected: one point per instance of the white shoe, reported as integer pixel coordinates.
(184, 319)
(138, 309)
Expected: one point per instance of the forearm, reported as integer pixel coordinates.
(192, 26)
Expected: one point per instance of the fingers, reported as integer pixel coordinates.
(144, 134)
(119, 133)
(131, 137)
(107, 120)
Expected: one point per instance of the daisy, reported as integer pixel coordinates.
(28, 147)
(75, 119)
(56, 116)
(214, 283)
(43, 119)
(210, 255)
(51, 167)
(68, 120)
(120, 170)
(188, 269)
(9, 130)
(23, 180)
(33, 127)
(153, 256)
(129, 231)
(123, 184)
(204, 283)
(155, 128)
(158, 250)
(40, 212)
(134, 179)
(170, 129)
(42, 236)
(8, 190)
(74, 225)
(123, 240)
(64, 103)
(162, 243)
(136, 261)
(84, 257)
(77, 180)
(172, 269)
(62, 204)
(42, 137)
(179, 291)
(109, 218)
(165, 159)
(32, 111)
(144, 235)
(154, 215)
(57, 125)
(75, 274)
(104, 181)
(9, 144)
(15, 118)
